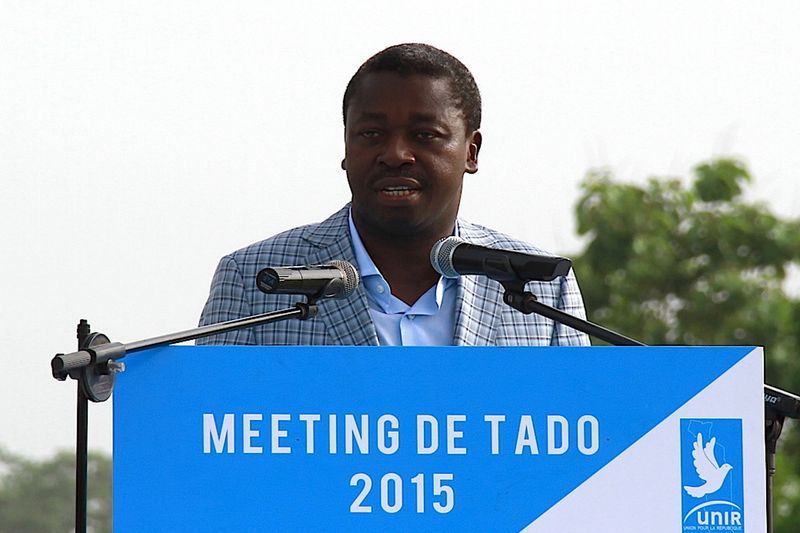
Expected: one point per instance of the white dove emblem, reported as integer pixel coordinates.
(707, 468)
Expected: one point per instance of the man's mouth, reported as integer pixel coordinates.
(398, 187)
(398, 191)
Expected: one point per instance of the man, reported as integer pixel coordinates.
(412, 116)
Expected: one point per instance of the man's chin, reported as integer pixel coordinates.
(408, 230)
(401, 223)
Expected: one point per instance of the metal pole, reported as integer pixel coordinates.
(81, 445)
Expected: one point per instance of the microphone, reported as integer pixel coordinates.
(452, 257)
(335, 279)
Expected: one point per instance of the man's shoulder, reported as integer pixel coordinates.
(294, 245)
(481, 235)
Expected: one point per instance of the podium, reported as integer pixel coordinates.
(621, 439)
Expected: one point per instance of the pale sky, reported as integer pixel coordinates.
(141, 141)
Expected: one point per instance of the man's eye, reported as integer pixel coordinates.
(369, 134)
(425, 135)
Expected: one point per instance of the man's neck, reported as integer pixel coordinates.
(407, 270)
(404, 263)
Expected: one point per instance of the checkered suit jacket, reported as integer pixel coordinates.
(482, 317)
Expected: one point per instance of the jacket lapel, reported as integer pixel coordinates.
(478, 307)
(347, 320)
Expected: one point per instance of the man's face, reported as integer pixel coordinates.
(406, 151)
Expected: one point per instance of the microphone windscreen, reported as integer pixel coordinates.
(442, 256)
(351, 278)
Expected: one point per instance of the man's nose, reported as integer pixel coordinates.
(397, 151)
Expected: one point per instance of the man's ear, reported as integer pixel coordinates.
(473, 147)
(344, 164)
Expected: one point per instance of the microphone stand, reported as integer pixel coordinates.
(779, 404)
(96, 363)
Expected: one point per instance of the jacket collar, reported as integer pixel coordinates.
(477, 306)
(331, 240)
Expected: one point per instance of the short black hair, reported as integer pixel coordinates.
(417, 58)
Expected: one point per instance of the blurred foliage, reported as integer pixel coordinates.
(39, 496)
(697, 264)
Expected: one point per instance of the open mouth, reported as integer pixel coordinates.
(398, 187)
(398, 191)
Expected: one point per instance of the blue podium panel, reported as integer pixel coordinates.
(440, 439)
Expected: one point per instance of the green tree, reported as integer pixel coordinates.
(697, 264)
(39, 496)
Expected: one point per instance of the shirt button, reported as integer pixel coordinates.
(380, 289)
(410, 317)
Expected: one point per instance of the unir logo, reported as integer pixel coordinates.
(712, 489)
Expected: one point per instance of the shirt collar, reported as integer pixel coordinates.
(379, 291)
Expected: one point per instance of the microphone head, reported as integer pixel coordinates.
(442, 256)
(453, 257)
(334, 279)
(350, 281)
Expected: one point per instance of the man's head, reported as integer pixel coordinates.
(424, 60)
(411, 116)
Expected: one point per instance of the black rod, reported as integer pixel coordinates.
(82, 443)
(527, 303)
(64, 365)
(300, 311)
(81, 462)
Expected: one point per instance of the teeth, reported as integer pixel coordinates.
(400, 190)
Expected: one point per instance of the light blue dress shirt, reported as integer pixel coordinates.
(430, 321)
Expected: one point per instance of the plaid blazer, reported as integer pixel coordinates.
(482, 319)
